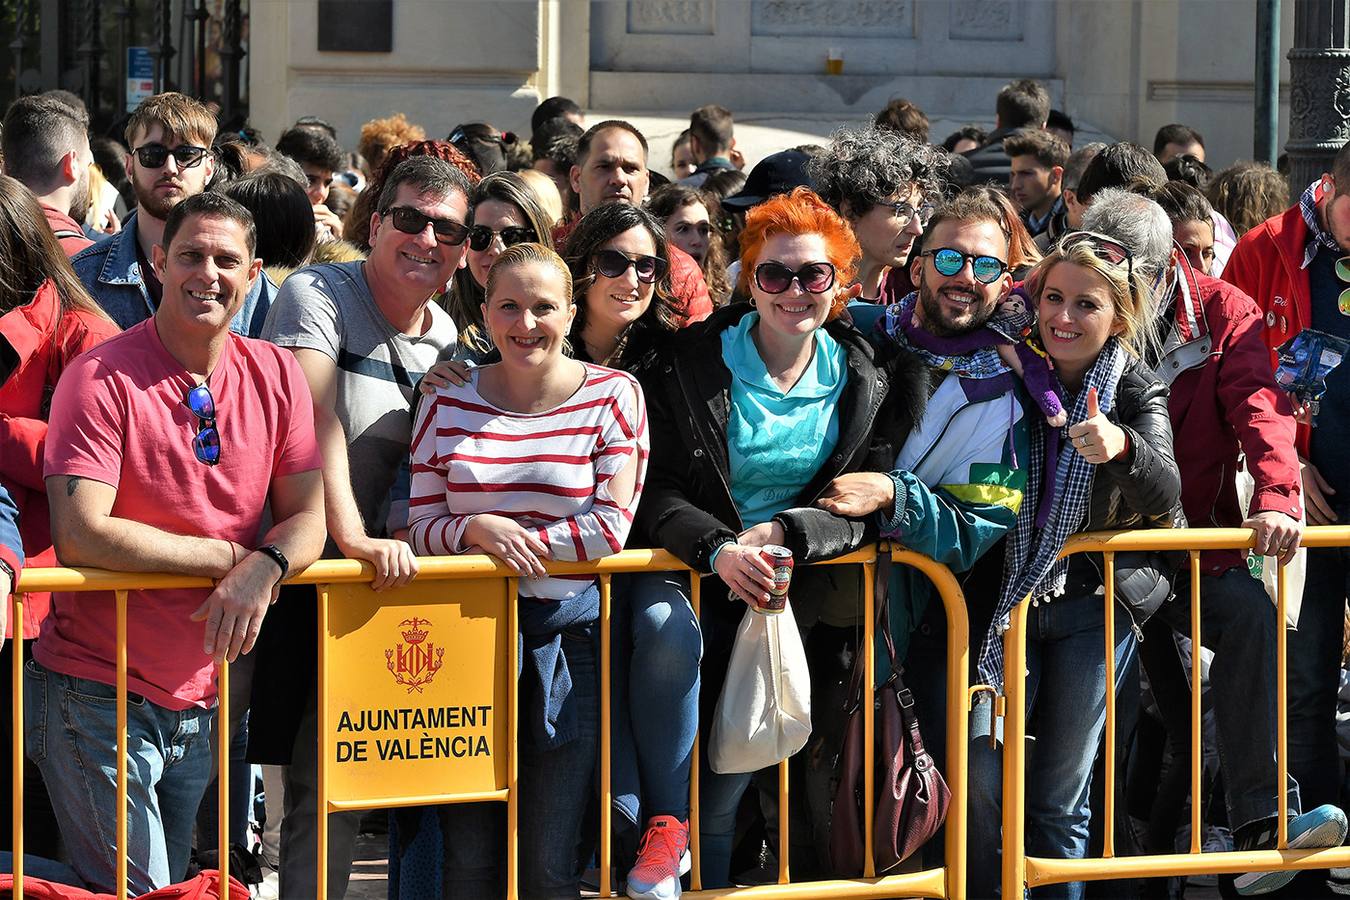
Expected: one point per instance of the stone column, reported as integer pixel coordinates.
(1319, 98)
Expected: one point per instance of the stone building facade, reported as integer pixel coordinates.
(1120, 67)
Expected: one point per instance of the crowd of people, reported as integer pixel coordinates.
(228, 359)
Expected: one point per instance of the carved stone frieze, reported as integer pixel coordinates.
(671, 16)
(986, 20)
(833, 18)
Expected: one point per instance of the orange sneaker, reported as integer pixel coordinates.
(663, 856)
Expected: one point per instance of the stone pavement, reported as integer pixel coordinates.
(370, 868)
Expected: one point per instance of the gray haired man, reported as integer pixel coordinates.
(1223, 400)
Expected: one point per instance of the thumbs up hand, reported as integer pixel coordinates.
(1096, 438)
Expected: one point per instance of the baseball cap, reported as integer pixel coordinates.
(776, 174)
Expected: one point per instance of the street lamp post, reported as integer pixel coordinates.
(1319, 98)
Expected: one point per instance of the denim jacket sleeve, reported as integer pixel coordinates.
(11, 546)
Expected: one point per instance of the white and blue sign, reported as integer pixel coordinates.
(140, 76)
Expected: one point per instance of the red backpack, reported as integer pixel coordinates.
(203, 887)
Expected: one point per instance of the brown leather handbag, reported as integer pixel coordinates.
(911, 796)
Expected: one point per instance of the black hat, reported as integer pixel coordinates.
(772, 175)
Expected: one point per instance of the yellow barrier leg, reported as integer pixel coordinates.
(1109, 742)
(121, 745)
(321, 803)
(513, 734)
(869, 705)
(606, 787)
(695, 842)
(1197, 715)
(958, 728)
(1281, 708)
(223, 777)
(16, 741)
(784, 872)
(1014, 753)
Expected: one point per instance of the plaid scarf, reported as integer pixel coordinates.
(1307, 205)
(947, 354)
(1031, 564)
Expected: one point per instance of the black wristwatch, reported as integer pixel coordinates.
(277, 557)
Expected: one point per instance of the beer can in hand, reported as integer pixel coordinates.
(781, 560)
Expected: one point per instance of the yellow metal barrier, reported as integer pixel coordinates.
(1021, 871)
(343, 612)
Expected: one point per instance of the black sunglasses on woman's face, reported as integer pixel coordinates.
(612, 264)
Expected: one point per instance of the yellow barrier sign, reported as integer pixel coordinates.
(418, 705)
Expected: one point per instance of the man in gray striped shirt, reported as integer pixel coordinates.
(364, 332)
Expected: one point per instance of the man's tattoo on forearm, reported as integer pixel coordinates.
(71, 484)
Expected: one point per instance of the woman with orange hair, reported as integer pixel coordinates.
(753, 412)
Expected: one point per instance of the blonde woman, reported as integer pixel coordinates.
(537, 457)
(1111, 468)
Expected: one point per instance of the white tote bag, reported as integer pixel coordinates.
(1295, 571)
(764, 713)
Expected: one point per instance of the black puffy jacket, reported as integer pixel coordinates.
(687, 507)
(1142, 489)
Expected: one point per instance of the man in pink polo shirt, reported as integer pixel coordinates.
(165, 446)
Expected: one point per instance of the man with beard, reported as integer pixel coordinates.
(170, 138)
(46, 147)
(957, 482)
(961, 454)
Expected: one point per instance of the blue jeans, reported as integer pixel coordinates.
(719, 795)
(1066, 713)
(72, 725)
(658, 645)
(555, 787)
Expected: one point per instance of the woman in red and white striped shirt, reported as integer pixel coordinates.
(537, 457)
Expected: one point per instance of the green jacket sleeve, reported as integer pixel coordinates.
(952, 531)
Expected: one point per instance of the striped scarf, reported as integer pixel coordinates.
(1307, 206)
(1031, 564)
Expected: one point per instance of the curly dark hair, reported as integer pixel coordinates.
(867, 166)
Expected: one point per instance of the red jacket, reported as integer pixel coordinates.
(1224, 400)
(686, 278)
(1267, 265)
(45, 340)
(67, 230)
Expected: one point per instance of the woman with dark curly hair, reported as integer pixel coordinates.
(692, 219)
(885, 185)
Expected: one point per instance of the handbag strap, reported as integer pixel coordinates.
(907, 715)
(882, 616)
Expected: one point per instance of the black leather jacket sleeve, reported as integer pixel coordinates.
(813, 534)
(1146, 478)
